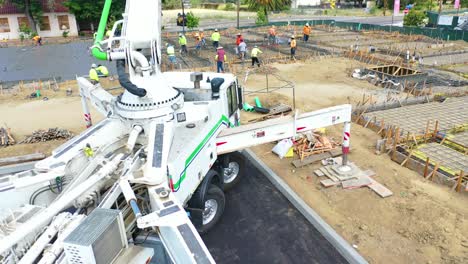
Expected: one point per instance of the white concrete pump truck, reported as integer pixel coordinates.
(160, 160)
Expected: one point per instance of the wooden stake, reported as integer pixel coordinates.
(426, 131)
(436, 167)
(382, 126)
(415, 141)
(407, 158)
(426, 167)
(436, 128)
(459, 182)
(394, 150)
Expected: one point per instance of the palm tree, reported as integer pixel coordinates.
(268, 5)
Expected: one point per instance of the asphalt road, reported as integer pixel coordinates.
(62, 61)
(260, 225)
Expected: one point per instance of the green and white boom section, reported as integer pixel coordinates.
(161, 159)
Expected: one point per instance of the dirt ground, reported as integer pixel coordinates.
(421, 223)
(25, 115)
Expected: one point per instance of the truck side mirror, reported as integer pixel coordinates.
(239, 96)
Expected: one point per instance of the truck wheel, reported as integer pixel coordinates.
(233, 173)
(214, 208)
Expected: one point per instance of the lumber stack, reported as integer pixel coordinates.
(313, 143)
(47, 135)
(6, 138)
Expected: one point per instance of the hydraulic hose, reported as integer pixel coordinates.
(96, 50)
(125, 81)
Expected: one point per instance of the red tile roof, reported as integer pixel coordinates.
(57, 6)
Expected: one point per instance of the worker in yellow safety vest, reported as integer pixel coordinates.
(88, 151)
(102, 71)
(183, 43)
(215, 37)
(37, 40)
(171, 53)
(254, 55)
(93, 74)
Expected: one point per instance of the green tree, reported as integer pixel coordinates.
(192, 20)
(261, 18)
(414, 18)
(90, 10)
(268, 5)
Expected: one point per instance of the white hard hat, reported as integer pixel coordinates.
(93, 65)
(216, 29)
(180, 34)
(255, 46)
(292, 37)
(219, 48)
(307, 24)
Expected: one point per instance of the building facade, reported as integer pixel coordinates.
(55, 20)
(304, 3)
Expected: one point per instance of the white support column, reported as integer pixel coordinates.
(345, 145)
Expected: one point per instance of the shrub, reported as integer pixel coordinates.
(373, 10)
(414, 18)
(25, 29)
(261, 19)
(192, 20)
(65, 33)
(229, 7)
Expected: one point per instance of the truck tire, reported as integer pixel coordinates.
(214, 208)
(234, 172)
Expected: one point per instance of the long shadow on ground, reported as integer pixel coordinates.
(260, 225)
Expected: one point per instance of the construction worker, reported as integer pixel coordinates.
(238, 41)
(293, 46)
(272, 35)
(306, 31)
(37, 40)
(242, 47)
(183, 43)
(197, 41)
(102, 71)
(88, 151)
(220, 59)
(93, 74)
(254, 55)
(215, 37)
(202, 38)
(171, 53)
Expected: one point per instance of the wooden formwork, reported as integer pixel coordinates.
(403, 149)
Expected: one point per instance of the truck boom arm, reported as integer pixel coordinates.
(246, 136)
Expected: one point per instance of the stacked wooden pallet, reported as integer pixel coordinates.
(47, 135)
(312, 143)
